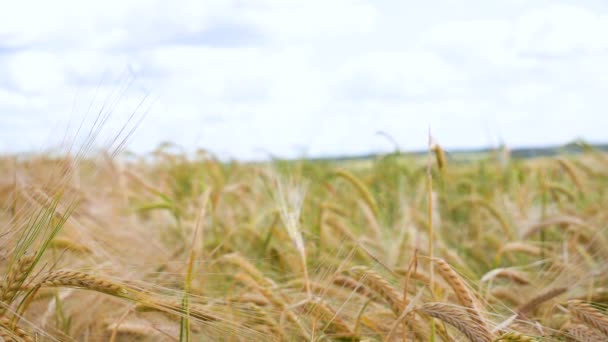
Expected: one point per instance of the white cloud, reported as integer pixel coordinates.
(387, 76)
(292, 19)
(11, 98)
(316, 76)
(561, 30)
(33, 71)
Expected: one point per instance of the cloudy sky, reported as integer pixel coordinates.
(251, 78)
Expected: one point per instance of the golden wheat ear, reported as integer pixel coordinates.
(514, 337)
(457, 318)
(378, 285)
(590, 316)
(583, 333)
(10, 332)
(83, 280)
(14, 280)
(463, 293)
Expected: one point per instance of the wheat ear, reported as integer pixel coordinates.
(583, 333)
(9, 332)
(380, 287)
(249, 268)
(361, 189)
(464, 295)
(13, 281)
(506, 273)
(589, 315)
(82, 280)
(514, 337)
(532, 304)
(321, 310)
(457, 318)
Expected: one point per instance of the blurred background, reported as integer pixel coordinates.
(249, 79)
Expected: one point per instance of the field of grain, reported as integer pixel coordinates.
(168, 247)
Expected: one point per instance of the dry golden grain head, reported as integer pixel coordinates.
(583, 333)
(253, 299)
(321, 310)
(15, 278)
(247, 266)
(505, 273)
(506, 294)
(269, 294)
(589, 316)
(536, 301)
(134, 328)
(439, 156)
(378, 285)
(463, 293)
(361, 188)
(84, 281)
(67, 244)
(562, 220)
(175, 307)
(458, 318)
(351, 284)
(519, 247)
(571, 171)
(290, 199)
(514, 337)
(10, 332)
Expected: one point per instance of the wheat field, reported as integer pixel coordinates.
(174, 247)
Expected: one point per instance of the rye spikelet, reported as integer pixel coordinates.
(589, 316)
(506, 294)
(271, 296)
(175, 307)
(532, 304)
(519, 247)
(514, 337)
(67, 244)
(506, 273)
(583, 333)
(439, 155)
(252, 298)
(82, 280)
(457, 318)
(570, 170)
(260, 315)
(558, 221)
(274, 299)
(289, 197)
(14, 279)
(133, 328)
(351, 284)
(379, 286)
(9, 332)
(557, 188)
(464, 295)
(476, 201)
(249, 268)
(322, 311)
(361, 188)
